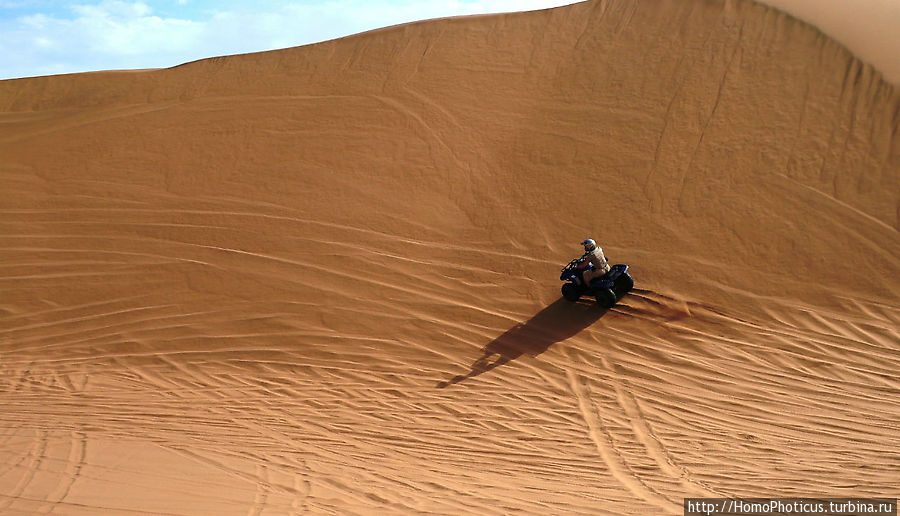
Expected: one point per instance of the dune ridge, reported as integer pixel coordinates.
(324, 279)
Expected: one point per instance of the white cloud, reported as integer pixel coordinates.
(109, 35)
(113, 9)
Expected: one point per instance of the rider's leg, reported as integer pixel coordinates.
(592, 274)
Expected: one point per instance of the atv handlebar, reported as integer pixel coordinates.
(573, 263)
(577, 261)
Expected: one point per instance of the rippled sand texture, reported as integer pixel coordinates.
(324, 279)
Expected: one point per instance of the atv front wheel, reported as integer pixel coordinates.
(627, 282)
(606, 298)
(571, 292)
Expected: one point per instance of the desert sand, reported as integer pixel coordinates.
(324, 280)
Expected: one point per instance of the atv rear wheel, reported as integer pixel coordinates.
(571, 292)
(605, 297)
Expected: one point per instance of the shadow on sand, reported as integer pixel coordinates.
(553, 324)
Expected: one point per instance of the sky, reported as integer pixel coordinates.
(45, 37)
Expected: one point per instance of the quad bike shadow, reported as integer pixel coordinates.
(555, 323)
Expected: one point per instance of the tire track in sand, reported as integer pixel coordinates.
(263, 486)
(37, 456)
(655, 448)
(76, 462)
(618, 468)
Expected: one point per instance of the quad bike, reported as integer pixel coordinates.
(607, 289)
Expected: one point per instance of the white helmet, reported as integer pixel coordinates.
(589, 245)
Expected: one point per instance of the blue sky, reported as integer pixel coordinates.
(42, 37)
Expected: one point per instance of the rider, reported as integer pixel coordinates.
(593, 255)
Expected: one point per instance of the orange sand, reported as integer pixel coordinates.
(324, 279)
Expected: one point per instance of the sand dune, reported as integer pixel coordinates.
(324, 279)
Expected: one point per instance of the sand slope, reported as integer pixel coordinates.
(324, 279)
